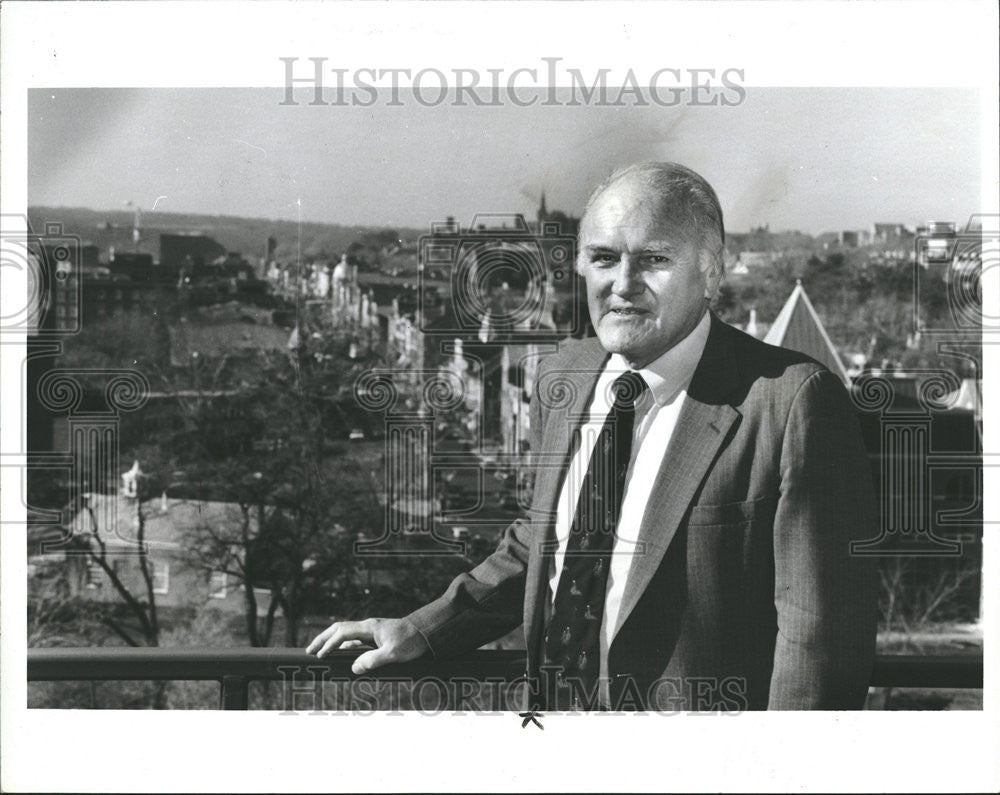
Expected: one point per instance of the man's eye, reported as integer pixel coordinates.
(604, 258)
(656, 259)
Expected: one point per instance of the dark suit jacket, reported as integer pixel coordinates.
(744, 594)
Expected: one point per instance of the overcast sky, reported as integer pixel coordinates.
(809, 159)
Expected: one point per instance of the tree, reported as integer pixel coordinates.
(858, 301)
(142, 605)
(915, 596)
(121, 340)
(233, 547)
(277, 450)
(56, 616)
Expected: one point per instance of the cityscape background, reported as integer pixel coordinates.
(326, 417)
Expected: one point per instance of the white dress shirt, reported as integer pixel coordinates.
(656, 413)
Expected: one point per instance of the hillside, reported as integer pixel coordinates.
(106, 228)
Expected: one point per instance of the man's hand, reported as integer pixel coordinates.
(397, 640)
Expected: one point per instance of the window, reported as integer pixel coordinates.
(262, 595)
(94, 575)
(161, 576)
(217, 585)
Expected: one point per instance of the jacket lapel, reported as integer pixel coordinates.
(577, 375)
(702, 425)
(565, 416)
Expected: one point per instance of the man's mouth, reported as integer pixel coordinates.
(626, 311)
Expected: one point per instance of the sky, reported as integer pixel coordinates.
(811, 159)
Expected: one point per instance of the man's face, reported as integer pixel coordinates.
(642, 261)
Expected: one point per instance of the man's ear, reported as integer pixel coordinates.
(711, 266)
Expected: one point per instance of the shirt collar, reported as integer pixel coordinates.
(671, 372)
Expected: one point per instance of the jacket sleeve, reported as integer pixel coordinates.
(487, 602)
(825, 597)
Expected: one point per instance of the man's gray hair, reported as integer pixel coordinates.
(689, 189)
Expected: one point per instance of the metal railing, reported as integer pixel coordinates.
(235, 669)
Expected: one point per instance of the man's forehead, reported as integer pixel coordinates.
(649, 225)
(629, 210)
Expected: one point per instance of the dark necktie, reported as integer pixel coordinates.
(572, 643)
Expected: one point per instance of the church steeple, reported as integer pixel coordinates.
(543, 213)
(130, 480)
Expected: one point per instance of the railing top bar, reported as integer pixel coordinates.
(225, 655)
(905, 670)
(194, 663)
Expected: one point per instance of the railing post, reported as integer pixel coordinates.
(235, 692)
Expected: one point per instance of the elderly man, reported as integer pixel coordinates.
(696, 493)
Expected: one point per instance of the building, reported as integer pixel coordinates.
(890, 234)
(132, 266)
(177, 581)
(853, 238)
(519, 366)
(188, 252)
(565, 224)
(102, 298)
(748, 260)
(754, 326)
(232, 265)
(937, 244)
(404, 340)
(798, 327)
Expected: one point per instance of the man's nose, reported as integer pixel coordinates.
(628, 279)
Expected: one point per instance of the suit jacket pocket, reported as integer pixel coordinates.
(729, 513)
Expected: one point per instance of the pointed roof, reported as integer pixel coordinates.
(798, 327)
(968, 396)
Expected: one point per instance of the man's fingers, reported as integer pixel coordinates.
(331, 644)
(340, 632)
(396, 641)
(320, 639)
(372, 659)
